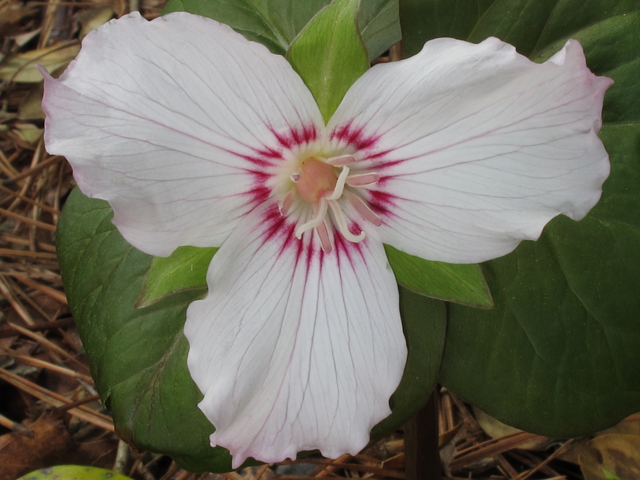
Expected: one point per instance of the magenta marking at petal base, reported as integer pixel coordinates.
(381, 202)
(258, 194)
(270, 153)
(259, 162)
(276, 225)
(345, 248)
(353, 136)
(296, 136)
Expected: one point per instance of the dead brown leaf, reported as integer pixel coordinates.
(20, 454)
(618, 454)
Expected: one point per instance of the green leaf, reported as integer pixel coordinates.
(529, 25)
(462, 284)
(422, 20)
(379, 23)
(186, 268)
(329, 54)
(559, 354)
(424, 323)
(276, 23)
(137, 355)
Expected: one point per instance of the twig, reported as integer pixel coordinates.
(35, 305)
(30, 201)
(325, 470)
(27, 220)
(15, 303)
(31, 171)
(16, 427)
(46, 342)
(51, 292)
(61, 323)
(82, 401)
(555, 454)
(491, 448)
(56, 400)
(42, 364)
(352, 466)
(23, 241)
(262, 471)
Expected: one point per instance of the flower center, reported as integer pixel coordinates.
(325, 184)
(316, 180)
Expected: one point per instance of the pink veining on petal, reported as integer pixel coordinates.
(368, 146)
(353, 136)
(348, 250)
(296, 136)
(277, 225)
(269, 152)
(381, 202)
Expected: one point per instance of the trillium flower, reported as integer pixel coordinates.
(197, 136)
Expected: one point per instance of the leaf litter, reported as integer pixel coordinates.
(50, 413)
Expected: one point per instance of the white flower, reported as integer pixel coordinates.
(196, 136)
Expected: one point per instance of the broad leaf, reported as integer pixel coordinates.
(379, 24)
(186, 268)
(529, 25)
(559, 354)
(329, 55)
(276, 23)
(462, 284)
(137, 356)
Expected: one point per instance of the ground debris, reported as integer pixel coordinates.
(20, 454)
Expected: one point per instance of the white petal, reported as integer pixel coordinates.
(174, 122)
(295, 349)
(477, 147)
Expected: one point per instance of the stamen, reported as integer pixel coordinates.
(363, 179)
(363, 209)
(341, 161)
(326, 239)
(319, 212)
(337, 192)
(295, 177)
(288, 201)
(342, 223)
